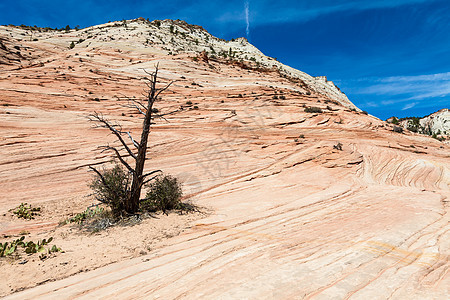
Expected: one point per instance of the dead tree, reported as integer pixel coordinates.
(137, 150)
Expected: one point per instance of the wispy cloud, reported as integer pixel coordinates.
(409, 106)
(403, 92)
(247, 29)
(418, 87)
(298, 11)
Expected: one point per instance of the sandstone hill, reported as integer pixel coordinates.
(437, 123)
(296, 202)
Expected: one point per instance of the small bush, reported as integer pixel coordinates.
(313, 109)
(338, 146)
(164, 194)
(72, 45)
(397, 129)
(114, 189)
(81, 217)
(189, 102)
(26, 212)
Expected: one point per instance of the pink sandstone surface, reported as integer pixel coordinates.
(284, 214)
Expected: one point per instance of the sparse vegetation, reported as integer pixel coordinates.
(397, 129)
(338, 146)
(439, 138)
(313, 109)
(414, 125)
(164, 194)
(87, 214)
(30, 247)
(112, 187)
(27, 212)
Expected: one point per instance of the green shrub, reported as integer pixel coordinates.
(313, 109)
(164, 194)
(7, 249)
(113, 189)
(26, 212)
(81, 217)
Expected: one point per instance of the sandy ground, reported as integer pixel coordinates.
(284, 213)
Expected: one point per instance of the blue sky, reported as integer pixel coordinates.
(391, 57)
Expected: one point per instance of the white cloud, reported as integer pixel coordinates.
(409, 105)
(411, 87)
(288, 10)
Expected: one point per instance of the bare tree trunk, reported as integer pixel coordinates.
(138, 179)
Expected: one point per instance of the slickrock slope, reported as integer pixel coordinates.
(288, 214)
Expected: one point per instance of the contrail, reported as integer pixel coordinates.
(247, 30)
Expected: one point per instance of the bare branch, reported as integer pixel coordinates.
(132, 140)
(119, 157)
(163, 89)
(137, 107)
(162, 115)
(118, 133)
(152, 172)
(166, 114)
(148, 180)
(99, 174)
(105, 184)
(138, 103)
